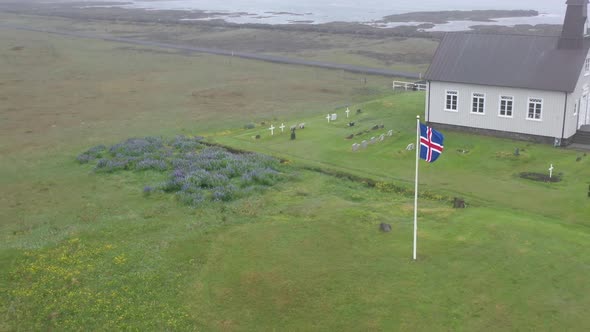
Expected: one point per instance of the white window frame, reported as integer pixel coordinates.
(500, 106)
(576, 108)
(528, 105)
(587, 67)
(478, 95)
(452, 93)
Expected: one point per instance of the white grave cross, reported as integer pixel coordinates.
(551, 171)
(328, 117)
(347, 112)
(272, 130)
(282, 127)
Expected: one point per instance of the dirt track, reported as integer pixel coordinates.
(252, 56)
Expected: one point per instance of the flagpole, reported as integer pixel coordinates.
(416, 185)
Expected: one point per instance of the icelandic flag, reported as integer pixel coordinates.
(431, 143)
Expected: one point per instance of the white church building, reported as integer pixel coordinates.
(520, 86)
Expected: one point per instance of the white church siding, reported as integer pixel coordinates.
(550, 124)
(576, 101)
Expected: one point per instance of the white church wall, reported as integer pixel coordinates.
(550, 124)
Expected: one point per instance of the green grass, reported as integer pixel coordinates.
(87, 251)
(307, 255)
(329, 269)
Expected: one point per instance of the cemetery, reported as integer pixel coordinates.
(332, 121)
(382, 142)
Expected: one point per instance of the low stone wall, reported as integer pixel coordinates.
(502, 134)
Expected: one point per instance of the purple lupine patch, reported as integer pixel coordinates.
(155, 164)
(148, 190)
(91, 154)
(196, 172)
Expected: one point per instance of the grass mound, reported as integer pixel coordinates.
(196, 172)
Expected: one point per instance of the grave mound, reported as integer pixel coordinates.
(540, 177)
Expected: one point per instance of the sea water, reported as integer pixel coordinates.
(366, 11)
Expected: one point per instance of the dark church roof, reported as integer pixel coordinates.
(517, 61)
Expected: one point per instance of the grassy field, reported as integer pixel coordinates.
(87, 251)
(406, 54)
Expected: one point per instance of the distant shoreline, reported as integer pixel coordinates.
(285, 17)
(317, 12)
(442, 17)
(415, 24)
(426, 19)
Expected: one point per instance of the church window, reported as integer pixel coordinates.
(451, 101)
(535, 109)
(506, 105)
(478, 103)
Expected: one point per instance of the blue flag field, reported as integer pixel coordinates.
(431, 143)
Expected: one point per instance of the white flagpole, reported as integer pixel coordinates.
(416, 185)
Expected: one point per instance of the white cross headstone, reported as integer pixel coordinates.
(328, 117)
(551, 171)
(272, 130)
(347, 112)
(282, 127)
